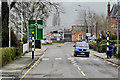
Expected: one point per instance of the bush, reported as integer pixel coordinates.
(92, 45)
(118, 55)
(95, 47)
(102, 47)
(98, 40)
(113, 37)
(114, 52)
(9, 54)
(111, 41)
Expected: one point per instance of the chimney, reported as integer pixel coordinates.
(108, 9)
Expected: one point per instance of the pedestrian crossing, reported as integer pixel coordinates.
(59, 58)
(45, 59)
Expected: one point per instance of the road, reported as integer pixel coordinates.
(59, 62)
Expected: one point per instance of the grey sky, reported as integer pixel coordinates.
(70, 17)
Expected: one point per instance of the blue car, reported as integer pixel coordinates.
(81, 48)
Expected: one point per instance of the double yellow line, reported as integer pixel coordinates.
(32, 66)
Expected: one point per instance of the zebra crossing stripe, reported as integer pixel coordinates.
(58, 58)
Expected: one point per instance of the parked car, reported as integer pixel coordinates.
(81, 48)
(48, 41)
(43, 42)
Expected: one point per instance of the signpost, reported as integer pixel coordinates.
(37, 27)
(88, 34)
(35, 33)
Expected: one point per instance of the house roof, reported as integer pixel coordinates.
(114, 10)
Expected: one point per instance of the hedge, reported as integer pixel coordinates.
(101, 46)
(8, 54)
(92, 45)
(114, 52)
(111, 41)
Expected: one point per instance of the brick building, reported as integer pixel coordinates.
(112, 16)
(78, 33)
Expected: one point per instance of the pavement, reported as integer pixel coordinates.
(16, 67)
(103, 56)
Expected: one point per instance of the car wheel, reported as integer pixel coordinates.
(75, 55)
(87, 55)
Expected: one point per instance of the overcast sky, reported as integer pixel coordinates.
(70, 17)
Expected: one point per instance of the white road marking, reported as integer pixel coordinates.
(73, 62)
(45, 59)
(76, 65)
(58, 58)
(83, 73)
(70, 58)
(83, 58)
(78, 68)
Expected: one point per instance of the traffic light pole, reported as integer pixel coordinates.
(33, 46)
(107, 40)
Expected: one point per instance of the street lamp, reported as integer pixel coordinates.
(118, 17)
(9, 26)
(21, 23)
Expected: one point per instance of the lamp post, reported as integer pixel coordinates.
(118, 17)
(21, 23)
(9, 26)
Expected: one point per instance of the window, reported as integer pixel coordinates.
(80, 37)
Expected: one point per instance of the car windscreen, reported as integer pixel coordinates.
(82, 45)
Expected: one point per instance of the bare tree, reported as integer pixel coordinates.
(98, 23)
(30, 11)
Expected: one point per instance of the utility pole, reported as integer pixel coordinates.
(9, 26)
(96, 31)
(27, 26)
(21, 23)
(118, 17)
(88, 26)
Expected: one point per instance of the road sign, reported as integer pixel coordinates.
(36, 26)
(88, 34)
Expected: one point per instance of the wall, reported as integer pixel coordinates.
(75, 35)
(25, 47)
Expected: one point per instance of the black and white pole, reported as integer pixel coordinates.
(33, 44)
(108, 40)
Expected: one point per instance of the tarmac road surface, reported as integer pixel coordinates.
(59, 62)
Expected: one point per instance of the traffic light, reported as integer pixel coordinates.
(108, 32)
(33, 32)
